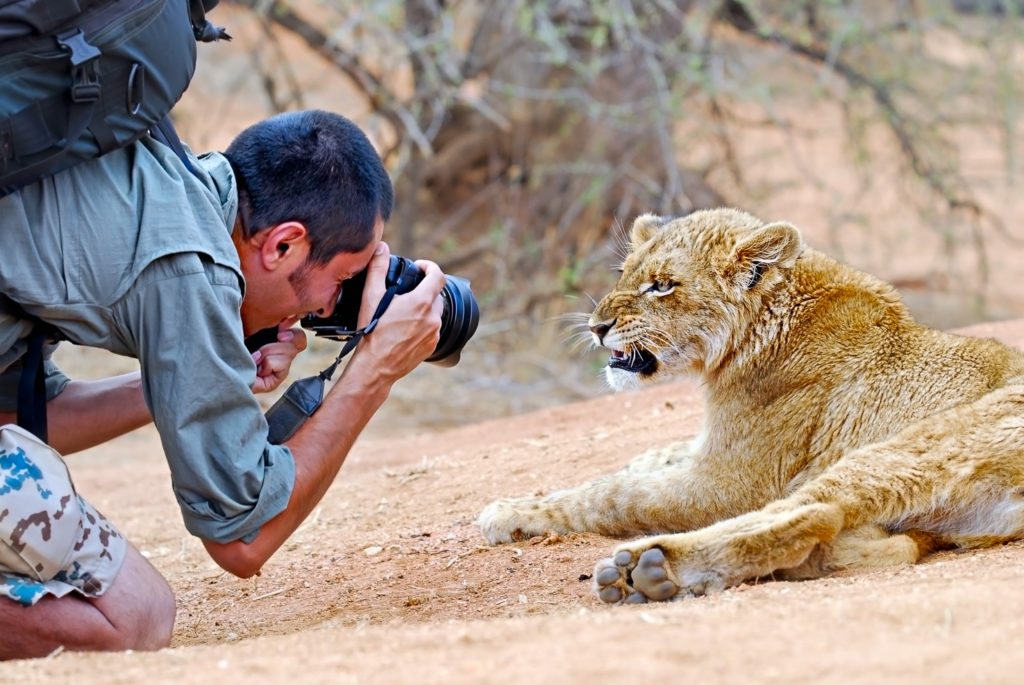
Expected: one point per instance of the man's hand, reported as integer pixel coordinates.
(273, 361)
(409, 328)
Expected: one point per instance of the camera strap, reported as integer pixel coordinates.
(359, 334)
(305, 396)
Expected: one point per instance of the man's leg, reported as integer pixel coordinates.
(135, 612)
(68, 578)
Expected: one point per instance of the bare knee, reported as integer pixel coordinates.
(139, 605)
(162, 614)
(150, 625)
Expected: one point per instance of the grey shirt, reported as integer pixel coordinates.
(132, 253)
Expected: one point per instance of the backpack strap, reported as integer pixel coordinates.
(205, 31)
(32, 387)
(163, 131)
(32, 383)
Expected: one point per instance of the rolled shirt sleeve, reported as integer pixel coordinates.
(182, 316)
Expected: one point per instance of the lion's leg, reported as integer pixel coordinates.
(803, 536)
(661, 490)
(955, 479)
(719, 556)
(864, 547)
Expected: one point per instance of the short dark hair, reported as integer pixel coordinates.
(314, 167)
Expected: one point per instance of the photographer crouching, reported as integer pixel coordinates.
(134, 253)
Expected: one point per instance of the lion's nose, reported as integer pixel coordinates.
(601, 329)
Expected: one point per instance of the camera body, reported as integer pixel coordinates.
(459, 319)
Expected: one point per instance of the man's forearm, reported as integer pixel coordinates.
(88, 413)
(319, 447)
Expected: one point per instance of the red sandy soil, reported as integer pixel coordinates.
(390, 581)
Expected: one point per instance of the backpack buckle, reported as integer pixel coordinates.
(85, 71)
(85, 82)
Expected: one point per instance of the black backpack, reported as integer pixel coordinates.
(79, 78)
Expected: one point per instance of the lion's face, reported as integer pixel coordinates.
(689, 291)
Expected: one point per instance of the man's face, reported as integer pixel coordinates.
(311, 287)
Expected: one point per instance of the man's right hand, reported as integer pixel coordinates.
(409, 329)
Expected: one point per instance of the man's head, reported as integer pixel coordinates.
(313, 197)
(316, 168)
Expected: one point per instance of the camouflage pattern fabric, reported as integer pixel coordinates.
(51, 540)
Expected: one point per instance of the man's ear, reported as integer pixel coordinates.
(282, 243)
(775, 245)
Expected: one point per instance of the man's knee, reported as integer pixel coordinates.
(163, 610)
(52, 543)
(136, 612)
(140, 605)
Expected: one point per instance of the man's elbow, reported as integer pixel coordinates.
(237, 558)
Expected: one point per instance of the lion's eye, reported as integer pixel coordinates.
(661, 287)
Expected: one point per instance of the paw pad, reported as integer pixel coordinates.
(617, 580)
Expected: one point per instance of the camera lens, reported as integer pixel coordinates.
(459, 320)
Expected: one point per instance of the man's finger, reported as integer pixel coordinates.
(374, 288)
(433, 277)
(296, 337)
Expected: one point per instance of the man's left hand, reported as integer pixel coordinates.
(273, 361)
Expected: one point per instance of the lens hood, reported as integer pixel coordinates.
(458, 321)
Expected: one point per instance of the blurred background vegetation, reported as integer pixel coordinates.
(523, 136)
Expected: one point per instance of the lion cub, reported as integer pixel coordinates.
(838, 432)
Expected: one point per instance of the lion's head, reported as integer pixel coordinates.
(690, 291)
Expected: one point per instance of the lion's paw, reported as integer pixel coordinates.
(508, 520)
(622, 580)
(660, 568)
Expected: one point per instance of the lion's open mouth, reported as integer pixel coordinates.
(638, 360)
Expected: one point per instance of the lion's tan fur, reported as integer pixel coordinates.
(838, 432)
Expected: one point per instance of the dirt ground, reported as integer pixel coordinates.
(390, 581)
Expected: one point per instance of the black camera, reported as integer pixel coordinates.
(458, 320)
(302, 399)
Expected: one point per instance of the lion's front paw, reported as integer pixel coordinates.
(655, 569)
(621, 580)
(507, 520)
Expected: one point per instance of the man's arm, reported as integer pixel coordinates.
(407, 334)
(89, 413)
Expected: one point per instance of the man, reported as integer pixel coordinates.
(133, 253)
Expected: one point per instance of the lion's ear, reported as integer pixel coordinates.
(773, 245)
(644, 228)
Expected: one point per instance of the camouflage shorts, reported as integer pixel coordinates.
(51, 540)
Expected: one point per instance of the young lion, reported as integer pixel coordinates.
(839, 433)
